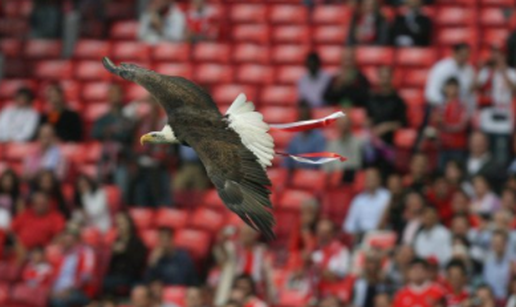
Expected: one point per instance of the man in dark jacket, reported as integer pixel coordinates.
(412, 28)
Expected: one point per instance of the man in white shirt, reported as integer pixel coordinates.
(310, 88)
(18, 122)
(433, 240)
(454, 67)
(163, 21)
(367, 207)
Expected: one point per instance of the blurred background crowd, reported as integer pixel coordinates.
(421, 214)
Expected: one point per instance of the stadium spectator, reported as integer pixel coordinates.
(397, 272)
(511, 49)
(304, 142)
(38, 224)
(198, 21)
(141, 297)
(484, 200)
(47, 183)
(367, 207)
(412, 217)
(496, 84)
(413, 27)
(454, 174)
(194, 297)
(331, 301)
(19, 121)
(439, 195)
(310, 88)
(348, 87)
(91, 199)
(157, 296)
(508, 199)
(419, 291)
(511, 301)
(433, 240)
(372, 282)
(331, 259)
(164, 20)
(512, 164)
(302, 237)
(46, 19)
(169, 264)
(392, 218)
(498, 265)
(348, 145)
(67, 123)
(11, 200)
(418, 177)
(457, 67)
(455, 284)
(190, 174)
(37, 272)
(247, 287)
(75, 273)
(481, 161)
(368, 25)
(483, 297)
(128, 256)
(47, 156)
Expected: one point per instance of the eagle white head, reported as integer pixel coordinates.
(165, 136)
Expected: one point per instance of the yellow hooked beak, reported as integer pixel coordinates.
(146, 138)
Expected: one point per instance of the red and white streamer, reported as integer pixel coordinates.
(315, 157)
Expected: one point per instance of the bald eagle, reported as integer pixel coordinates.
(235, 148)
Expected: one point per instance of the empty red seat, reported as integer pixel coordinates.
(336, 203)
(124, 30)
(175, 69)
(384, 240)
(331, 14)
(196, 242)
(31, 296)
(143, 218)
(494, 37)
(375, 56)
(289, 74)
(309, 180)
(149, 237)
(53, 69)
(207, 219)
(94, 152)
(213, 73)
(91, 236)
(9, 272)
(493, 17)
(291, 34)
(248, 13)
(330, 34)
(279, 95)
(425, 57)
(288, 297)
(455, 16)
(255, 74)
(91, 71)
(225, 94)
(405, 138)
(136, 92)
(281, 138)
(276, 115)
(94, 111)
(212, 52)
(292, 199)
(212, 199)
(330, 55)
(9, 87)
(415, 78)
(251, 53)
(452, 36)
(278, 177)
(412, 96)
(71, 89)
(468, 3)
(174, 52)
(289, 54)
(91, 49)
(17, 151)
(43, 48)
(255, 33)
(95, 91)
(288, 14)
(114, 197)
(507, 3)
(131, 51)
(11, 47)
(4, 292)
(171, 218)
(174, 295)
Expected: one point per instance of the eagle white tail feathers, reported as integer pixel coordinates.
(251, 128)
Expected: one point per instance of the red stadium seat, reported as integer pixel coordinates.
(4, 293)
(171, 52)
(9, 272)
(91, 49)
(71, 89)
(212, 199)
(498, 3)
(289, 54)
(94, 152)
(226, 94)
(384, 240)
(405, 138)
(131, 51)
(255, 74)
(452, 36)
(212, 52)
(43, 49)
(126, 30)
(197, 242)
(251, 53)
(278, 177)
(455, 16)
(114, 197)
(291, 34)
(358, 116)
(207, 219)
(53, 69)
(425, 57)
(248, 13)
(330, 55)
(10, 47)
(412, 96)
(136, 92)
(292, 199)
(281, 138)
(143, 218)
(149, 237)
(95, 91)
(493, 17)
(91, 71)
(288, 297)
(336, 203)
(335, 35)
(175, 69)
(331, 14)
(171, 218)
(494, 37)
(17, 151)
(9, 87)
(32, 296)
(415, 78)
(279, 95)
(213, 73)
(375, 56)
(468, 3)
(309, 180)
(288, 14)
(258, 33)
(91, 236)
(174, 295)
(276, 115)
(289, 74)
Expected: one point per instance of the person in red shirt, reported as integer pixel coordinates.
(38, 225)
(38, 272)
(419, 292)
(440, 196)
(455, 284)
